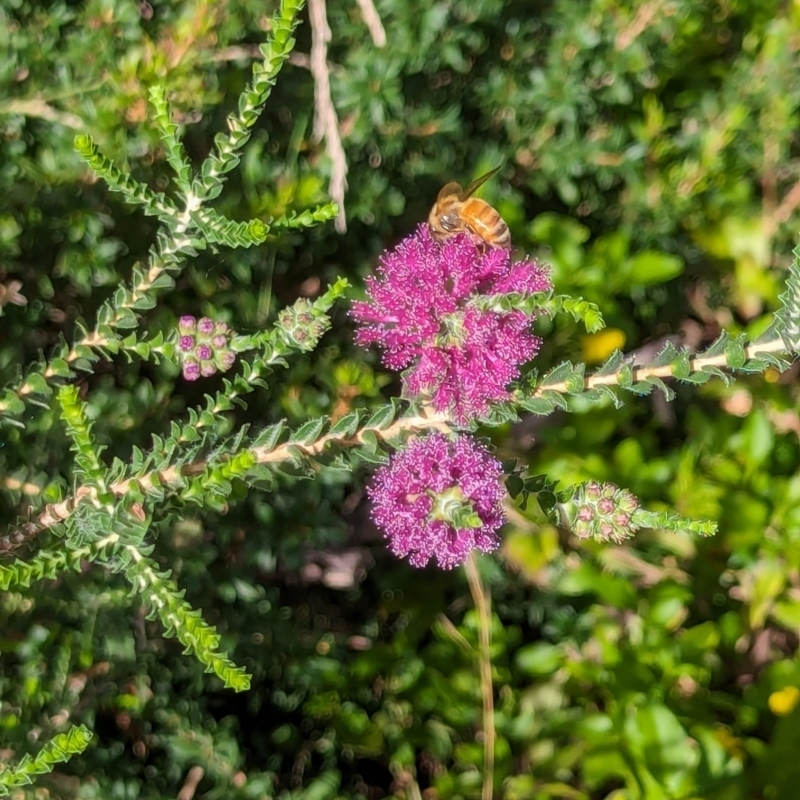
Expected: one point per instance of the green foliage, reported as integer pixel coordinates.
(209, 183)
(181, 620)
(58, 750)
(168, 541)
(789, 313)
(88, 466)
(551, 304)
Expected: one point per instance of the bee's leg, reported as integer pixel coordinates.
(472, 233)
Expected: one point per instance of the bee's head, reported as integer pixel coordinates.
(444, 224)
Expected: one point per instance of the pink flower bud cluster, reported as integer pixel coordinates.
(204, 347)
(439, 498)
(301, 326)
(424, 310)
(601, 511)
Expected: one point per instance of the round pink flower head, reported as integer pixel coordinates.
(439, 498)
(422, 311)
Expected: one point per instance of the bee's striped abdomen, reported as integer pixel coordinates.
(484, 221)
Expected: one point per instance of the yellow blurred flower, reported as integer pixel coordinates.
(782, 702)
(598, 347)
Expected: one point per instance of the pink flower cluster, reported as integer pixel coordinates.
(439, 498)
(427, 308)
(424, 311)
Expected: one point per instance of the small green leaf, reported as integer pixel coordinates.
(612, 364)
(575, 382)
(270, 436)
(625, 376)
(558, 375)
(538, 405)
(382, 418)
(669, 393)
(735, 352)
(37, 384)
(346, 426)
(682, 365)
(311, 431)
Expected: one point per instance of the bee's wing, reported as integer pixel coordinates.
(450, 189)
(478, 182)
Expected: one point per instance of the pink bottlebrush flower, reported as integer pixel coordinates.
(422, 312)
(186, 343)
(439, 498)
(187, 324)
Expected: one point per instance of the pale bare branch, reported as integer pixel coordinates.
(243, 52)
(193, 778)
(42, 110)
(373, 22)
(326, 122)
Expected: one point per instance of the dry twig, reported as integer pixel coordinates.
(191, 783)
(373, 22)
(326, 123)
(251, 51)
(39, 108)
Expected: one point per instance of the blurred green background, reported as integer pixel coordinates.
(650, 155)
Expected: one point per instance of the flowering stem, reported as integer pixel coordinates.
(173, 477)
(642, 373)
(163, 259)
(483, 605)
(58, 512)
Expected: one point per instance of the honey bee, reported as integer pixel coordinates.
(457, 211)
